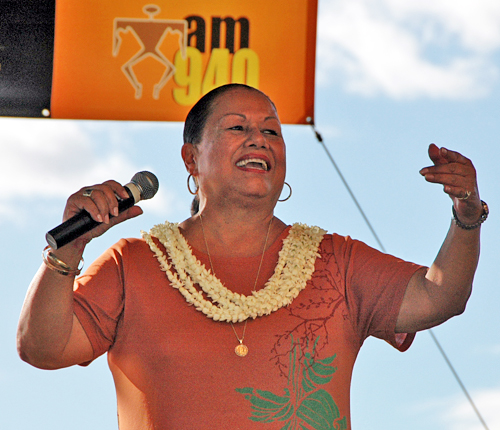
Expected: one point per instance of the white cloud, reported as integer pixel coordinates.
(51, 158)
(44, 159)
(429, 48)
(461, 415)
(457, 413)
(475, 23)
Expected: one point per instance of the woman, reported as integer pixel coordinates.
(189, 352)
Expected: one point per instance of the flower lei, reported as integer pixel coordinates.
(295, 267)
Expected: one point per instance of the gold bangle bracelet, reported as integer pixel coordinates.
(53, 263)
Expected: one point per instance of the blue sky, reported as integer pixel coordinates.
(392, 77)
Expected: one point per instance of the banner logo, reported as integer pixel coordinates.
(194, 70)
(150, 34)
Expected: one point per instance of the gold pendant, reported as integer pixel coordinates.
(241, 350)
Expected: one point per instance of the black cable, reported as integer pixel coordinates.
(353, 197)
(455, 374)
(434, 338)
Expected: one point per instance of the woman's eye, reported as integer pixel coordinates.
(273, 132)
(236, 127)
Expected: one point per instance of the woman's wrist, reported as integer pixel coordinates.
(65, 261)
(472, 226)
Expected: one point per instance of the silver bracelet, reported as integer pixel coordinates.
(460, 224)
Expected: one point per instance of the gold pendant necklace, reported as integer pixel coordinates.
(241, 350)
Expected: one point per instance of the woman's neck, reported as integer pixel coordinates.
(232, 233)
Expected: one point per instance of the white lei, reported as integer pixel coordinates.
(295, 267)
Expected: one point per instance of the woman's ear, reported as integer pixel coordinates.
(189, 153)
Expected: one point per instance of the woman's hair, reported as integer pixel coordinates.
(199, 113)
(195, 206)
(198, 116)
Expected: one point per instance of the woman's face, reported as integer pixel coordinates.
(242, 151)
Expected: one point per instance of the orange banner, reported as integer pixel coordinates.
(130, 60)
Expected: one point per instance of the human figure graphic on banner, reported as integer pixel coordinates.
(150, 34)
(231, 318)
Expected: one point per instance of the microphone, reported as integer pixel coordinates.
(142, 186)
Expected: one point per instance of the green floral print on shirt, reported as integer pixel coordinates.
(303, 406)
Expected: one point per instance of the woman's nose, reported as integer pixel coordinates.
(256, 138)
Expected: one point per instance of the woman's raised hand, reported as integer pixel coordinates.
(458, 176)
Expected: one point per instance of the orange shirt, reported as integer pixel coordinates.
(174, 368)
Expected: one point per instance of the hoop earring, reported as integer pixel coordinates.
(189, 185)
(289, 195)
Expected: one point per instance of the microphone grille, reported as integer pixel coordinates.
(147, 183)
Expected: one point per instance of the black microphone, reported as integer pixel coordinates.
(142, 186)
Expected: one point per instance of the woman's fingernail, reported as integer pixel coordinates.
(99, 218)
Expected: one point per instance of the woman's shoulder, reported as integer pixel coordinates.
(130, 245)
(335, 243)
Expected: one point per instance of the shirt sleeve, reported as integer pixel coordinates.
(99, 297)
(374, 285)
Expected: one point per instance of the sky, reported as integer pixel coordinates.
(392, 77)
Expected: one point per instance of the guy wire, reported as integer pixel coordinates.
(319, 138)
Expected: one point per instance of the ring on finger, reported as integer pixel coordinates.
(88, 192)
(467, 195)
